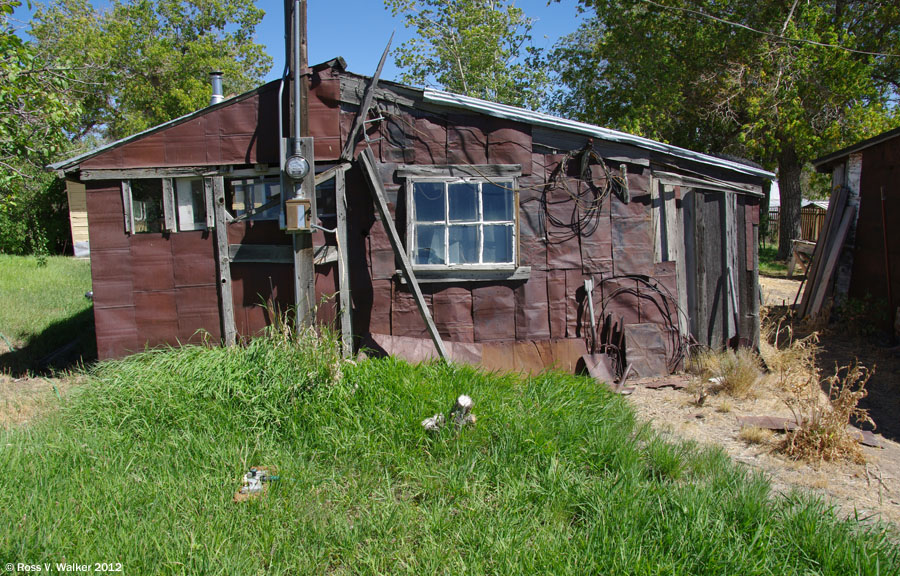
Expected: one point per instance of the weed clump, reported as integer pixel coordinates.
(823, 420)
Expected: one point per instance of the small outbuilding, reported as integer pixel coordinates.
(859, 255)
(444, 224)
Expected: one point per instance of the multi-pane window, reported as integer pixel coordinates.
(254, 193)
(463, 223)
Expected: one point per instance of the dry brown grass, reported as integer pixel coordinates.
(756, 435)
(735, 373)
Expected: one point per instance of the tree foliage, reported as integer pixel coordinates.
(145, 62)
(779, 81)
(479, 48)
(37, 107)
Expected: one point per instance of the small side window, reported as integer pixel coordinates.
(147, 206)
(191, 201)
(257, 195)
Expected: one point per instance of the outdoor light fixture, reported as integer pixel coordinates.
(297, 167)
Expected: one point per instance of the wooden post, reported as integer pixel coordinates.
(360, 118)
(223, 264)
(304, 268)
(367, 160)
(340, 191)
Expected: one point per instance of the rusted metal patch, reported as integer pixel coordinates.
(466, 139)
(156, 318)
(406, 320)
(494, 313)
(116, 332)
(509, 143)
(453, 313)
(645, 350)
(556, 294)
(430, 140)
(533, 308)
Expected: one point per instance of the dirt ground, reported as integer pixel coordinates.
(871, 489)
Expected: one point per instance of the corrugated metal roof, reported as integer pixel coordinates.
(548, 121)
(76, 160)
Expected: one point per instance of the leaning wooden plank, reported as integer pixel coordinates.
(350, 144)
(813, 275)
(367, 160)
(340, 190)
(223, 264)
(831, 262)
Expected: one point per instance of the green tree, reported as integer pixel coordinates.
(145, 62)
(779, 81)
(37, 108)
(479, 48)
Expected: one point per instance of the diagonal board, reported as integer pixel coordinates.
(350, 144)
(367, 160)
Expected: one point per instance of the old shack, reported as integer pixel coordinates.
(531, 239)
(857, 256)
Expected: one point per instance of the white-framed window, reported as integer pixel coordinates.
(165, 205)
(462, 223)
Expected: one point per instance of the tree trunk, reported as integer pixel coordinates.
(789, 168)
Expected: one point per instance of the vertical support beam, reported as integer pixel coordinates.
(367, 160)
(340, 191)
(304, 269)
(300, 76)
(223, 264)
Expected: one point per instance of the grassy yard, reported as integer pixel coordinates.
(768, 263)
(43, 311)
(141, 464)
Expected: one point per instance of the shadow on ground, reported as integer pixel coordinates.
(64, 344)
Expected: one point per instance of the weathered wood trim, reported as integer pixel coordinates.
(304, 256)
(367, 160)
(459, 275)
(836, 248)
(331, 173)
(144, 173)
(459, 171)
(168, 198)
(223, 264)
(127, 208)
(340, 190)
(353, 92)
(713, 185)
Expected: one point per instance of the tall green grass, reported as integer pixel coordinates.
(557, 477)
(42, 309)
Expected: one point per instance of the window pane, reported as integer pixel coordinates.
(498, 245)
(326, 205)
(429, 199)
(463, 202)
(191, 204)
(430, 245)
(463, 244)
(147, 205)
(498, 201)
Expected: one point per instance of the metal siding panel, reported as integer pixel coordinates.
(509, 143)
(156, 318)
(494, 313)
(194, 258)
(466, 139)
(430, 140)
(533, 308)
(116, 332)
(111, 278)
(198, 310)
(152, 259)
(453, 313)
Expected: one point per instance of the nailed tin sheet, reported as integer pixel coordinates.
(452, 311)
(556, 294)
(430, 139)
(645, 350)
(620, 300)
(116, 332)
(106, 228)
(111, 278)
(382, 298)
(156, 318)
(632, 246)
(533, 308)
(398, 144)
(494, 310)
(466, 139)
(152, 259)
(509, 143)
(406, 320)
(198, 310)
(327, 295)
(253, 285)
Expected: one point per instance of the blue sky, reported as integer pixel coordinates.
(358, 30)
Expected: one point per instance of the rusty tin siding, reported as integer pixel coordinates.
(880, 169)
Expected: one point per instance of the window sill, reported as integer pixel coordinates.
(459, 275)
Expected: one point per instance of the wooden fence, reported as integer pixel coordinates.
(812, 218)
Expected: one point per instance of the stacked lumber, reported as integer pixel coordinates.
(838, 219)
